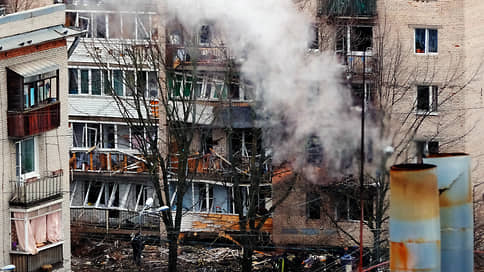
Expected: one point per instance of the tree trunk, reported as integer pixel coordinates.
(247, 259)
(172, 253)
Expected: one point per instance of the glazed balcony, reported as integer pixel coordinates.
(347, 8)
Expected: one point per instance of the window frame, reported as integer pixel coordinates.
(427, 39)
(18, 160)
(433, 102)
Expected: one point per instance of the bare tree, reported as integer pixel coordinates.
(392, 74)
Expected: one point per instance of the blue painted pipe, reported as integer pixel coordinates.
(456, 215)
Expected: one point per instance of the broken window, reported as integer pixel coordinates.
(234, 91)
(314, 150)
(426, 40)
(143, 26)
(129, 26)
(314, 38)
(348, 205)
(108, 136)
(205, 35)
(341, 40)
(71, 18)
(130, 82)
(92, 135)
(313, 205)
(361, 38)
(106, 78)
(114, 25)
(77, 134)
(85, 24)
(427, 98)
(100, 25)
(175, 37)
(123, 137)
(93, 193)
(205, 197)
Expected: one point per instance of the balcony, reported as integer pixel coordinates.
(177, 55)
(33, 190)
(33, 121)
(28, 262)
(347, 8)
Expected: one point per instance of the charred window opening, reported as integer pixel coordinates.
(206, 141)
(347, 204)
(114, 20)
(234, 91)
(361, 38)
(314, 38)
(93, 193)
(313, 205)
(243, 142)
(314, 150)
(100, 25)
(205, 35)
(206, 197)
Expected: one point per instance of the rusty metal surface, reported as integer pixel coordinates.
(456, 216)
(414, 218)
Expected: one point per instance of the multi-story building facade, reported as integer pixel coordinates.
(419, 64)
(109, 183)
(35, 181)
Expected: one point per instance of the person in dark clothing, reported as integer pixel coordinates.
(138, 244)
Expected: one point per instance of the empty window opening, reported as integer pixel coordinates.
(313, 205)
(427, 98)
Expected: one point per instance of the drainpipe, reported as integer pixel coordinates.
(414, 218)
(456, 215)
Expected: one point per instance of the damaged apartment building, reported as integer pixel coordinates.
(307, 217)
(33, 76)
(109, 183)
(200, 69)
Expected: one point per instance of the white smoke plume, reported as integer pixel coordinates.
(301, 92)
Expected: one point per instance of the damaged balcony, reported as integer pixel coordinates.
(33, 91)
(34, 190)
(110, 162)
(351, 8)
(177, 55)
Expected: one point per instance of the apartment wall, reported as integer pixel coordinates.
(399, 19)
(29, 20)
(474, 103)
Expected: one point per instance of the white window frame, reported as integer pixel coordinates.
(433, 108)
(426, 50)
(31, 174)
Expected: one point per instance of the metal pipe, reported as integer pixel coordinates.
(456, 216)
(414, 218)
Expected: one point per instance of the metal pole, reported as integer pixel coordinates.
(362, 161)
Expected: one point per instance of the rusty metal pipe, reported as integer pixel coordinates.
(414, 218)
(456, 217)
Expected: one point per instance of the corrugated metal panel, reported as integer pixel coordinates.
(37, 37)
(94, 106)
(33, 68)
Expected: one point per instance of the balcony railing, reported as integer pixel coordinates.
(106, 161)
(357, 63)
(347, 8)
(214, 55)
(33, 121)
(34, 190)
(27, 262)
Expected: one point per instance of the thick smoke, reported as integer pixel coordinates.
(301, 91)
